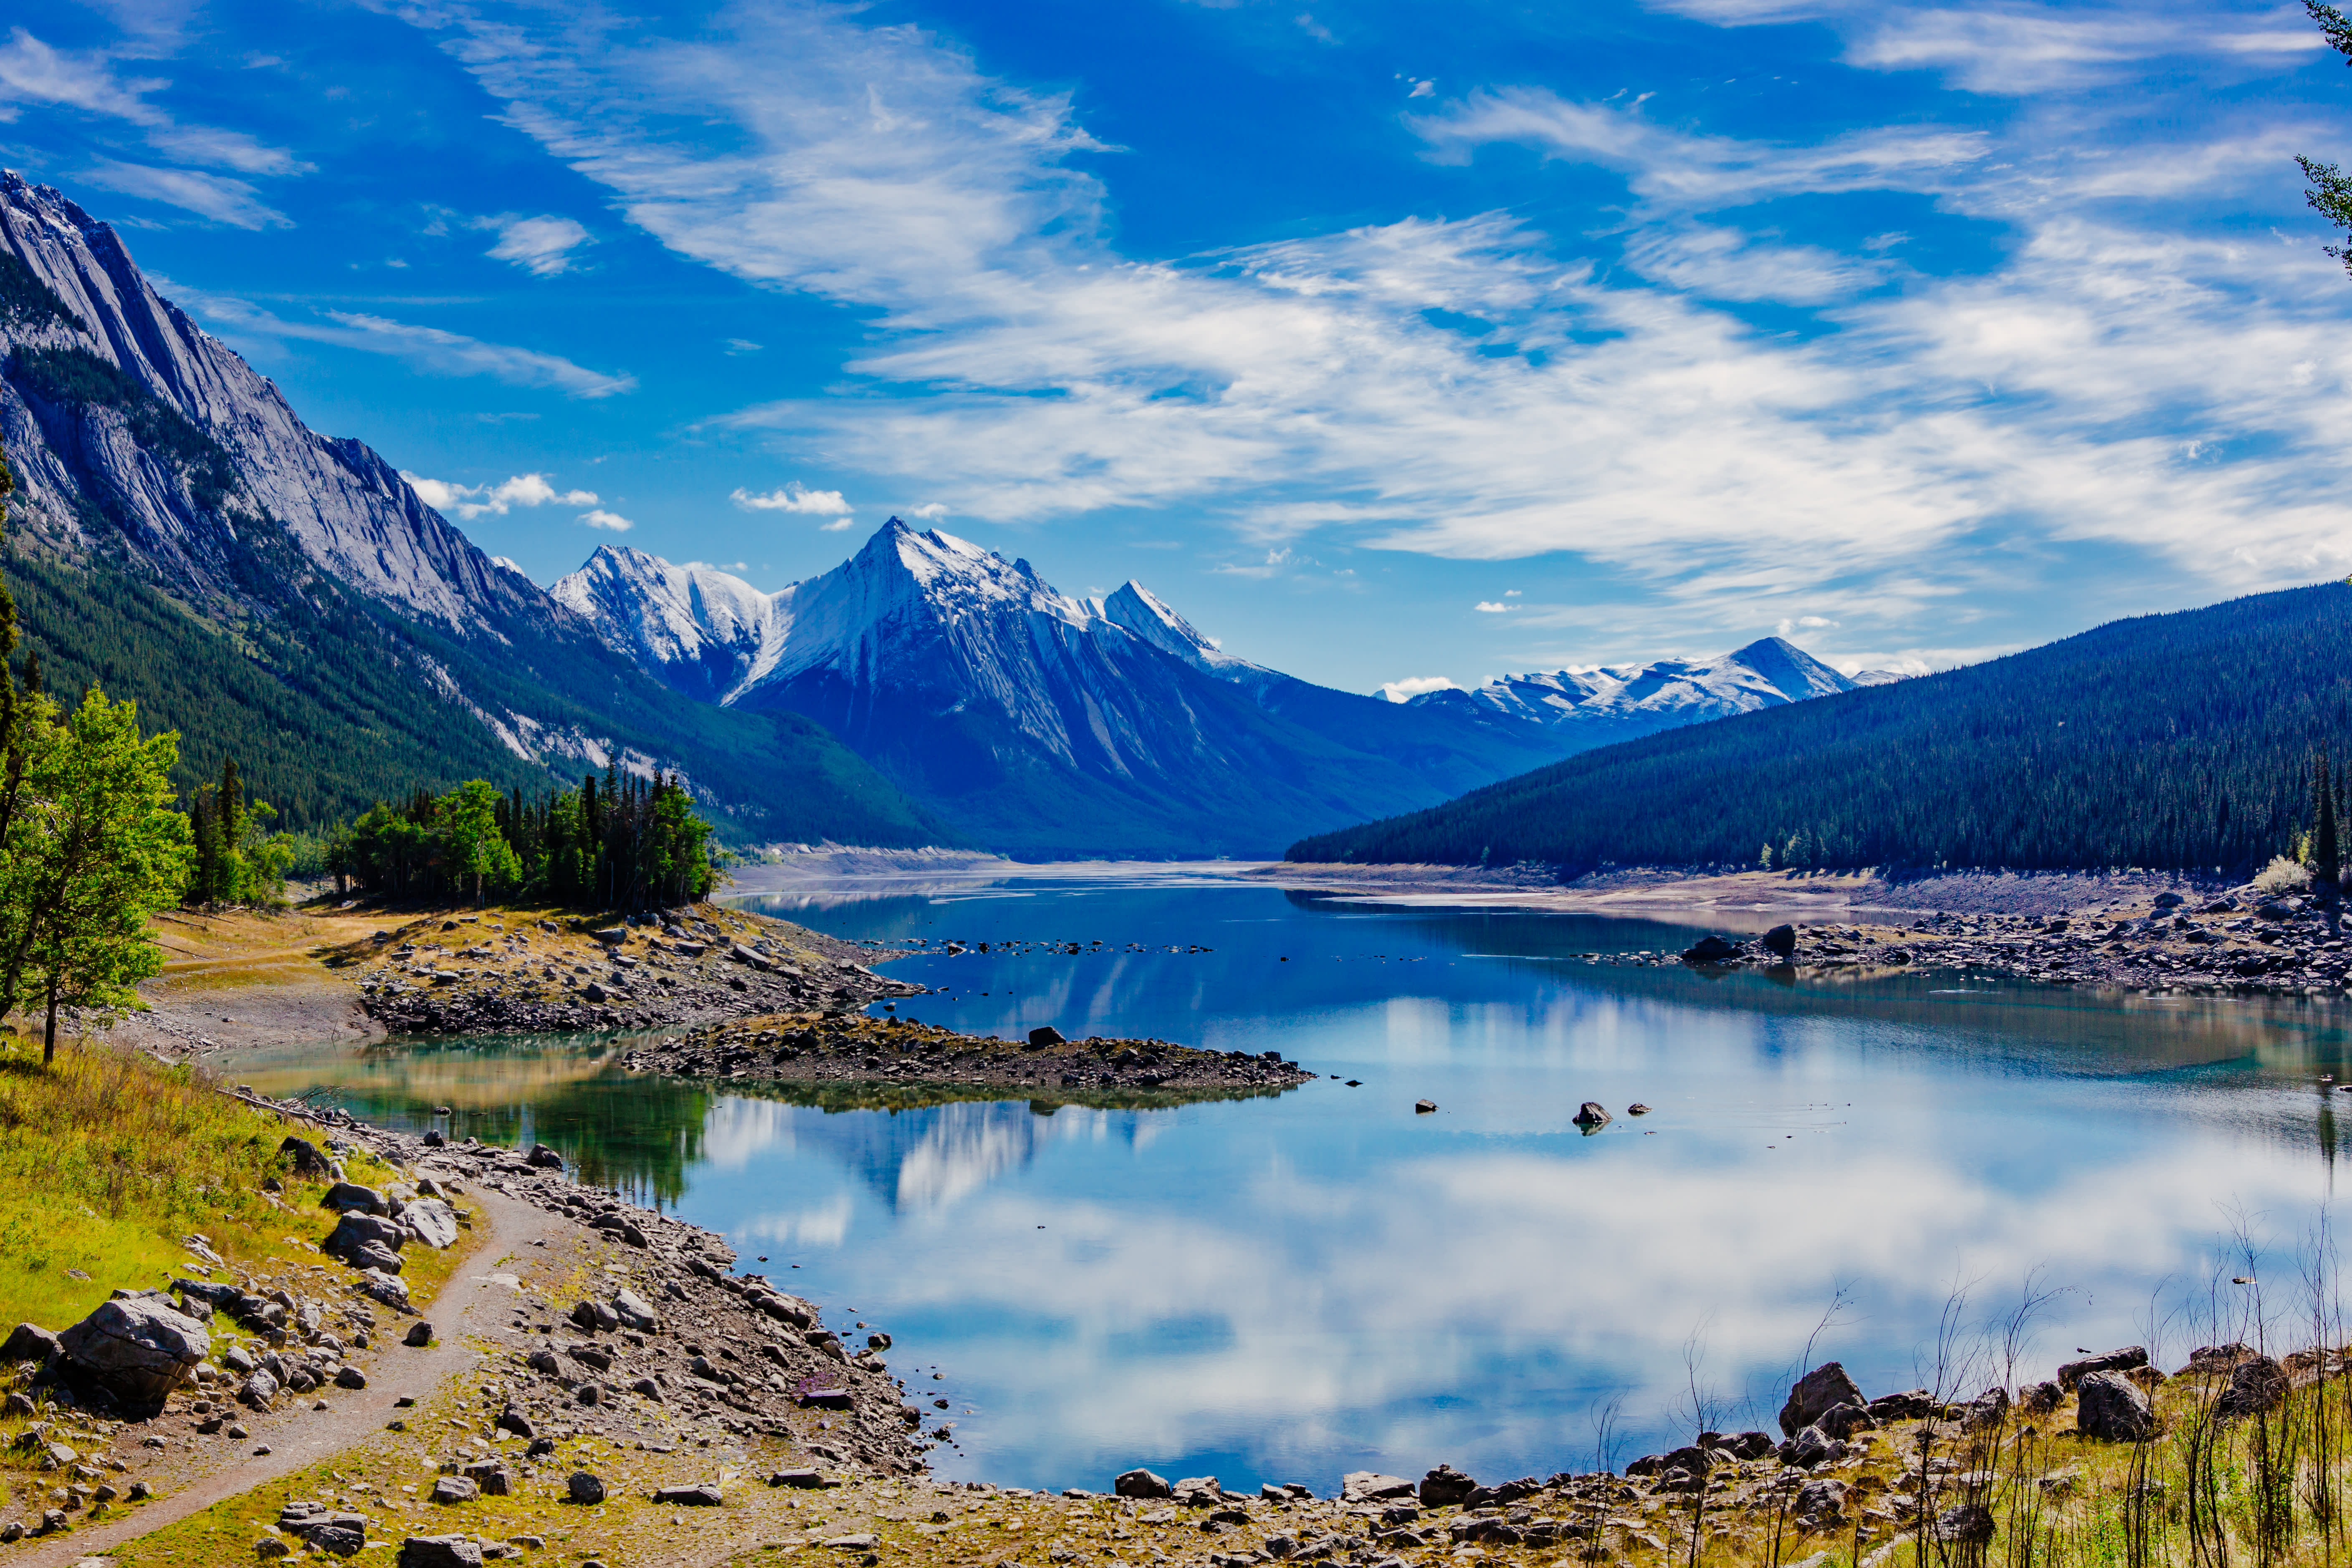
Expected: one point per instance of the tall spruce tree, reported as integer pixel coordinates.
(2326, 860)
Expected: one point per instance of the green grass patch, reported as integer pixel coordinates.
(109, 1159)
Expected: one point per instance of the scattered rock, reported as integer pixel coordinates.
(1821, 1503)
(1845, 1420)
(544, 1158)
(1969, 1523)
(1781, 942)
(1592, 1115)
(1423, 1106)
(699, 1496)
(1710, 950)
(585, 1489)
(456, 1489)
(1810, 1449)
(440, 1551)
(430, 1221)
(350, 1197)
(1046, 1035)
(419, 1335)
(30, 1342)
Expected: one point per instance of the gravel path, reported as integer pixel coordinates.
(471, 1306)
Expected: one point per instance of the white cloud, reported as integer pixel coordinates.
(1475, 388)
(930, 511)
(608, 520)
(1412, 686)
(215, 197)
(466, 502)
(428, 349)
(32, 71)
(1792, 625)
(742, 346)
(539, 246)
(794, 497)
(1490, 607)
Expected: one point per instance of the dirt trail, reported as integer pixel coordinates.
(470, 1307)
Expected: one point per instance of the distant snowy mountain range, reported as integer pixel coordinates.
(1598, 707)
(1049, 723)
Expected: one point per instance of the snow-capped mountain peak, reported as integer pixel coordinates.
(1619, 702)
(1138, 610)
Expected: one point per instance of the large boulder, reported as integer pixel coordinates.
(137, 1348)
(302, 1157)
(1817, 1394)
(350, 1197)
(2256, 1387)
(1710, 950)
(1140, 1483)
(634, 1310)
(365, 1241)
(1444, 1487)
(431, 1221)
(1845, 1420)
(440, 1551)
(1820, 1504)
(2113, 1409)
(1780, 941)
(1371, 1486)
(2123, 1360)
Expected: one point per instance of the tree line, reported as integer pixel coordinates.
(621, 842)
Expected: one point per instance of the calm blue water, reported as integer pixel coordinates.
(1287, 1289)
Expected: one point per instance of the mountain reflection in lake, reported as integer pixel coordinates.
(1288, 1287)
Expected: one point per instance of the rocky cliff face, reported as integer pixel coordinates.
(85, 447)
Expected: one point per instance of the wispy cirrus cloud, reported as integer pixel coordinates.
(215, 197)
(433, 350)
(90, 81)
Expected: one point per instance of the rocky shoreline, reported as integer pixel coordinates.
(663, 1342)
(804, 1048)
(2243, 941)
(506, 972)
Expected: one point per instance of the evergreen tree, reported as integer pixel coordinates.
(2327, 862)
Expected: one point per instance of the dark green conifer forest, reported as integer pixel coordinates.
(2183, 741)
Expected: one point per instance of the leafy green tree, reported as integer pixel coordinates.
(473, 847)
(93, 850)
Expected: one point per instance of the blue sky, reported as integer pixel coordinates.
(1388, 342)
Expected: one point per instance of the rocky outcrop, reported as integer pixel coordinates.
(859, 1050)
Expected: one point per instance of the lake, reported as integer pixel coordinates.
(1288, 1287)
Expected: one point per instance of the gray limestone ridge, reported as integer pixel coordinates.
(345, 508)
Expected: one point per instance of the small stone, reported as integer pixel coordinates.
(269, 1548)
(455, 1490)
(419, 1335)
(697, 1496)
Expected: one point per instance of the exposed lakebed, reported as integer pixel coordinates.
(1293, 1285)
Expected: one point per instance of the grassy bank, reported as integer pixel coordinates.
(109, 1163)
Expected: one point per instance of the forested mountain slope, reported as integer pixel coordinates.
(2177, 741)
